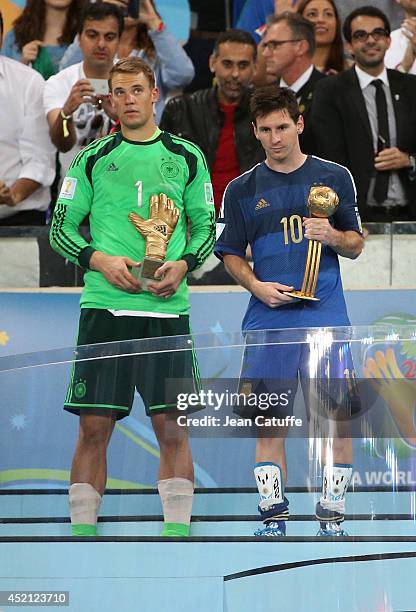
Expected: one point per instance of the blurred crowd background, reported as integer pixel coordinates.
(352, 67)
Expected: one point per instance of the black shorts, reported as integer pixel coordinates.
(109, 384)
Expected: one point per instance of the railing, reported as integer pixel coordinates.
(388, 260)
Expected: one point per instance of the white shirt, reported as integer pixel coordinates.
(57, 90)
(397, 49)
(395, 195)
(25, 147)
(300, 82)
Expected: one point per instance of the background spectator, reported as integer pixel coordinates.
(149, 39)
(365, 119)
(218, 119)
(42, 33)
(402, 51)
(76, 112)
(288, 47)
(253, 15)
(208, 19)
(27, 166)
(329, 53)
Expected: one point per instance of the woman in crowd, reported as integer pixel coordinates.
(148, 38)
(42, 33)
(329, 55)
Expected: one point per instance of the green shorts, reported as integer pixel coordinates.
(109, 384)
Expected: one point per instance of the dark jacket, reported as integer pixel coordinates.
(198, 117)
(305, 94)
(343, 132)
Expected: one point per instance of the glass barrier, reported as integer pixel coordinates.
(339, 400)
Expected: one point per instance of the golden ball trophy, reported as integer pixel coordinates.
(157, 231)
(322, 202)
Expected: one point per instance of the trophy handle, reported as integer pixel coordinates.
(313, 260)
(310, 277)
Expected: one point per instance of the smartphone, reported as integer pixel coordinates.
(100, 86)
(133, 9)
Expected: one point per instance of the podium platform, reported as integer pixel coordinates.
(221, 567)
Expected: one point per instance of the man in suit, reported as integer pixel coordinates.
(288, 46)
(365, 119)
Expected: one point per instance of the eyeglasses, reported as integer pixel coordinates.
(272, 45)
(363, 36)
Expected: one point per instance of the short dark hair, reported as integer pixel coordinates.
(365, 11)
(99, 11)
(132, 65)
(271, 98)
(235, 36)
(300, 27)
(1, 24)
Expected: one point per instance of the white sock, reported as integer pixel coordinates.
(84, 503)
(176, 495)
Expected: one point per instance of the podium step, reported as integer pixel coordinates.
(395, 526)
(21, 503)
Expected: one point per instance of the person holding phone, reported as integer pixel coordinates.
(146, 36)
(76, 99)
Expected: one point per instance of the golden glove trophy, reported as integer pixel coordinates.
(322, 203)
(157, 231)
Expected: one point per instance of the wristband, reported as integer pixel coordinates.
(401, 68)
(85, 256)
(191, 261)
(65, 119)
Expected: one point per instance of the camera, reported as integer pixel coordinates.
(133, 9)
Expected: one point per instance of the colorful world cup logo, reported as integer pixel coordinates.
(390, 365)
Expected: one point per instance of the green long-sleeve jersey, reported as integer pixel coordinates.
(113, 177)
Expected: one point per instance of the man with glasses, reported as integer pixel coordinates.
(288, 46)
(365, 119)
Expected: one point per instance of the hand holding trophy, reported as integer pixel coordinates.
(157, 231)
(322, 202)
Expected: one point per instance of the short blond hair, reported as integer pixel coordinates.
(133, 65)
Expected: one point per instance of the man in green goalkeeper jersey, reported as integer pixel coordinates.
(109, 180)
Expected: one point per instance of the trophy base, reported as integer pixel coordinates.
(149, 268)
(301, 296)
(146, 273)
